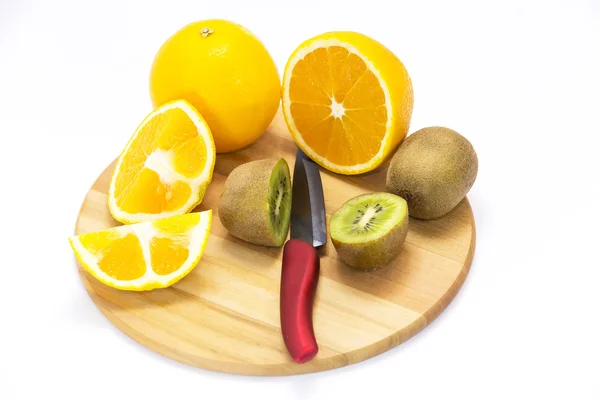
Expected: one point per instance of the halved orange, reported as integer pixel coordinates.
(165, 167)
(347, 101)
(147, 255)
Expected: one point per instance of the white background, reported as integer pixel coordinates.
(520, 79)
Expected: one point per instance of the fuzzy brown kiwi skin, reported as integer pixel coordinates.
(433, 169)
(243, 207)
(376, 253)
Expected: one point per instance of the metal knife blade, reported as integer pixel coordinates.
(308, 204)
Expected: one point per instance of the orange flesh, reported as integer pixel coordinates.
(334, 73)
(118, 257)
(138, 188)
(169, 254)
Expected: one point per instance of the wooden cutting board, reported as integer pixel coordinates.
(224, 315)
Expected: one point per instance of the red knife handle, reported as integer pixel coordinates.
(299, 277)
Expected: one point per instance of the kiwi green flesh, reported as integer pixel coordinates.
(280, 202)
(367, 217)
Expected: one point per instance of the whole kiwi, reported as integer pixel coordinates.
(433, 169)
(255, 204)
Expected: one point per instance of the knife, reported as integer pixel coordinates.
(300, 266)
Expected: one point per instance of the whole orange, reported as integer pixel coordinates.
(226, 73)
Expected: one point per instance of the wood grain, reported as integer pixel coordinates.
(224, 315)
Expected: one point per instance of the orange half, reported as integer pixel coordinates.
(347, 101)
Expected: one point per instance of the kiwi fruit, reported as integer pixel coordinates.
(433, 169)
(368, 230)
(256, 202)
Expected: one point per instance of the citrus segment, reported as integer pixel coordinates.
(146, 255)
(169, 249)
(166, 166)
(168, 255)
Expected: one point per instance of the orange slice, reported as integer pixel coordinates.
(166, 166)
(347, 101)
(144, 256)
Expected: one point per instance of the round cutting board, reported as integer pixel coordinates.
(224, 315)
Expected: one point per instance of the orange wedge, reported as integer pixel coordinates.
(144, 256)
(165, 167)
(347, 101)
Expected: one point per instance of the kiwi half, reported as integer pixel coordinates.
(256, 202)
(280, 201)
(368, 231)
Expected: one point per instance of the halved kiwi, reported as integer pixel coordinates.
(368, 231)
(256, 202)
(280, 201)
